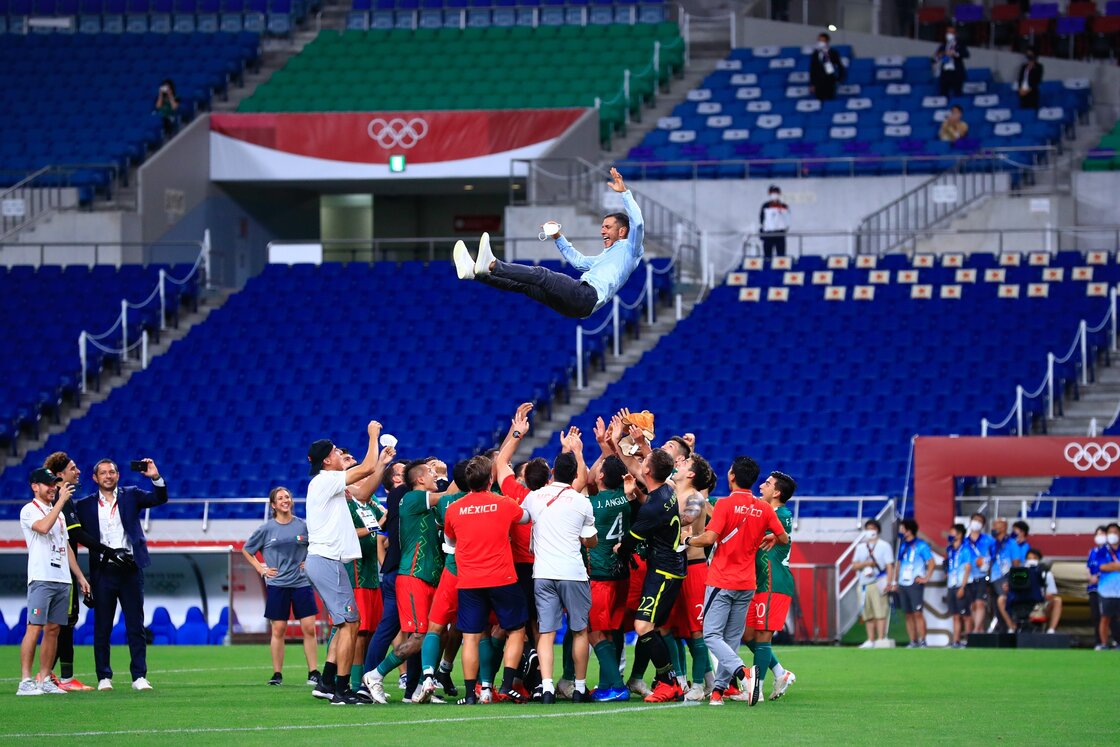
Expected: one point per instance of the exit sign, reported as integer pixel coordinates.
(396, 164)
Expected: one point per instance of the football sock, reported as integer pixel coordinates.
(485, 660)
(446, 666)
(548, 685)
(468, 685)
(701, 664)
(778, 669)
(429, 652)
(569, 666)
(581, 686)
(65, 652)
(508, 676)
(388, 664)
(330, 671)
(659, 654)
(678, 657)
(412, 670)
(356, 676)
(641, 660)
(497, 655)
(608, 664)
(762, 655)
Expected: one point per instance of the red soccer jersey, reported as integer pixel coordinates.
(740, 520)
(480, 524)
(522, 533)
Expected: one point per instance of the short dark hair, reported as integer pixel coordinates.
(660, 465)
(910, 526)
(57, 462)
(387, 476)
(683, 444)
(565, 468)
(873, 523)
(958, 107)
(101, 462)
(983, 519)
(1101, 528)
(536, 473)
(1022, 526)
(519, 470)
(960, 529)
(1035, 551)
(745, 471)
(613, 471)
(826, 37)
(412, 472)
(702, 472)
(459, 474)
(785, 484)
(1112, 524)
(622, 219)
(478, 473)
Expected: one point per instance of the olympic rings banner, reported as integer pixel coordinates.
(939, 459)
(352, 145)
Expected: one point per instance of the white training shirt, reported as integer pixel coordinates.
(47, 558)
(882, 554)
(561, 516)
(330, 530)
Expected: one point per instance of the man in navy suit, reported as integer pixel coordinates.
(112, 515)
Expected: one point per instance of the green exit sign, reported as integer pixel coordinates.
(396, 164)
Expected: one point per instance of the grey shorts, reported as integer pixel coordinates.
(910, 597)
(48, 602)
(553, 597)
(332, 582)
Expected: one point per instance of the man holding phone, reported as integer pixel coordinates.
(112, 516)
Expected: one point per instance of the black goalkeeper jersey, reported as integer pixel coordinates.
(658, 523)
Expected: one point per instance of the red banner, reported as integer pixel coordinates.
(422, 137)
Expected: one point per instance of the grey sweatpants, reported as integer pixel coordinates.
(725, 618)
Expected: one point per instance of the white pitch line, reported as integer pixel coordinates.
(303, 727)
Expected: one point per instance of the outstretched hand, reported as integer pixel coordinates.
(616, 181)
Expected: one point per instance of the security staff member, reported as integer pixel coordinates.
(773, 220)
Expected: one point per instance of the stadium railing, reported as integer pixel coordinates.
(35, 195)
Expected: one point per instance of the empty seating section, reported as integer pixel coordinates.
(488, 68)
(85, 102)
(409, 14)
(45, 311)
(1106, 156)
(831, 391)
(275, 17)
(757, 107)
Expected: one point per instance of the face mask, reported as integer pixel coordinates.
(1032, 563)
(975, 526)
(1113, 539)
(821, 45)
(870, 534)
(950, 38)
(774, 195)
(1099, 540)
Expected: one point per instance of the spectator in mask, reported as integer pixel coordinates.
(981, 548)
(1049, 611)
(953, 127)
(1108, 585)
(950, 57)
(957, 562)
(1029, 81)
(773, 221)
(1094, 566)
(826, 70)
(915, 564)
(874, 559)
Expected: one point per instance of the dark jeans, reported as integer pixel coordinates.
(773, 245)
(127, 587)
(389, 625)
(950, 83)
(555, 290)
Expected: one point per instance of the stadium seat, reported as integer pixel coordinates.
(194, 631)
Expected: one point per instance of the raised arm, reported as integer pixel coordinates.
(366, 467)
(369, 486)
(637, 232)
(518, 427)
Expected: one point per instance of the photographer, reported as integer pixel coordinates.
(167, 107)
(112, 515)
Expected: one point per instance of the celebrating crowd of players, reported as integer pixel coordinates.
(489, 561)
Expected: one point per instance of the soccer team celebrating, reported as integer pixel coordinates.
(497, 557)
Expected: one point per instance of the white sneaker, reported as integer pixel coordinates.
(485, 256)
(47, 686)
(464, 265)
(639, 687)
(424, 693)
(867, 644)
(28, 687)
(402, 682)
(141, 683)
(564, 688)
(374, 682)
(105, 684)
(695, 693)
(781, 684)
(884, 643)
(486, 695)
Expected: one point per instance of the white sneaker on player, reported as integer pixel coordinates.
(884, 643)
(485, 256)
(424, 693)
(695, 693)
(867, 644)
(105, 684)
(48, 687)
(464, 265)
(564, 689)
(375, 683)
(639, 687)
(486, 695)
(781, 684)
(402, 682)
(141, 683)
(28, 687)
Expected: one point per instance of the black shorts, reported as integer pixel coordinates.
(910, 597)
(999, 586)
(976, 591)
(75, 595)
(284, 602)
(525, 581)
(1110, 607)
(475, 605)
(954, 604)
(659, 594)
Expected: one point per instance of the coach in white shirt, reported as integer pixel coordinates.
(874, 559)
(563, 522)
(332, 541)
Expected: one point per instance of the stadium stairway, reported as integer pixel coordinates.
(208, 302)
(561, 416)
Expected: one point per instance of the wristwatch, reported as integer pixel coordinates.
(517, 434)
(686, 541)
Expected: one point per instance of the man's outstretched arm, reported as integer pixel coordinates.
(637, 232)
(571, 256)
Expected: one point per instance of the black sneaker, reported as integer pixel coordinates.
(277, 679)
(363, 695)
(548, 697)
(511, 696)
(445, 682)
(579, 696)
(346, 697)
(322, 690)
(469, 700)
(313, 677)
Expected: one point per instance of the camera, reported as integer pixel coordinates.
(138, 465)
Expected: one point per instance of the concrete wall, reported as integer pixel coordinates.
(79, 238)
(175, 180)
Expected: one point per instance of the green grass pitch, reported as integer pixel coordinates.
(218, 696)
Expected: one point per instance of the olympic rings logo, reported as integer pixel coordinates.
(397, 132)
(1092, 455)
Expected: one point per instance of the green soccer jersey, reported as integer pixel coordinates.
(364, 572)
(772, 566)
(441, 512)
(612, 520)
(421, 554)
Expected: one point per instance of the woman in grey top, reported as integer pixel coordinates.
(282, 541)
